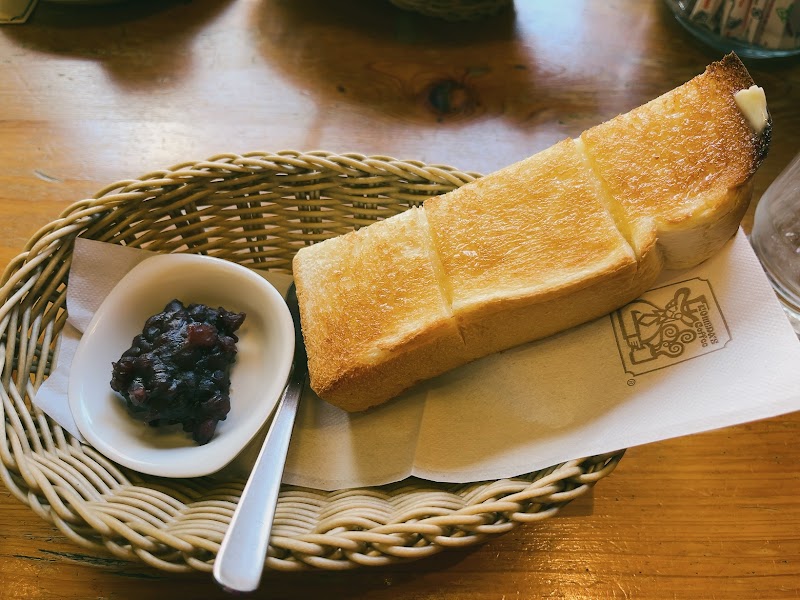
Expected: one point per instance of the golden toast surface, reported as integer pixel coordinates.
(671, 163)
(395, 300)
(530, 238)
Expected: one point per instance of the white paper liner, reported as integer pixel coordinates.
(590, 390)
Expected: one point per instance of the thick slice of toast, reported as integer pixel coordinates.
(680, 166)
(555, 240)
(372, 310)
(532, 232)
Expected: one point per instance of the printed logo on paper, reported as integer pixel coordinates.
(669, 325)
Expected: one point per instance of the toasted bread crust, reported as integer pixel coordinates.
(560, 238)
(353, 324)
(731, 74)
(680, 163)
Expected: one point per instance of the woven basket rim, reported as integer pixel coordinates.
(269, 204)
(455, 10)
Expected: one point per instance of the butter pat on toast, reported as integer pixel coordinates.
(562, 237)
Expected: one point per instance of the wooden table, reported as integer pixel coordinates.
(92, 95)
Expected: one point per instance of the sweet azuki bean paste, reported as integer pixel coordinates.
(178, 369)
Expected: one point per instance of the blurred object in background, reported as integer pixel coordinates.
(16, 11)
(751, 28)
(455, 10)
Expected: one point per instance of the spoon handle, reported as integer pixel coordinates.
(240, 560)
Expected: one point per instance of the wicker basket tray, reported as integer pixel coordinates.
(455, 10)
(255, 209)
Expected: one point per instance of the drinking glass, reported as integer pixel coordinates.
(776, 238)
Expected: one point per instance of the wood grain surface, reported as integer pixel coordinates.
(90, 95)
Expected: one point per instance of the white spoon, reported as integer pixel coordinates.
(240, 560)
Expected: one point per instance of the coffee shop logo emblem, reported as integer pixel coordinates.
(669, 325)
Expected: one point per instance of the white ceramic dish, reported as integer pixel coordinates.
(265, 348)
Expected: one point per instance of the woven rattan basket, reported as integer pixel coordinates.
(455, 10)
(257, 210)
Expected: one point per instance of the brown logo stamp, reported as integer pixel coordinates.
(668, 325)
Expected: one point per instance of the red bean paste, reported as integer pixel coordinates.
(178, 369)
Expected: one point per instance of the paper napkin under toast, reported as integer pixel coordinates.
(706, 348)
